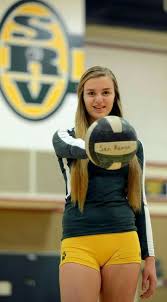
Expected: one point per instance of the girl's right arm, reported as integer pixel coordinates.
(67, 146)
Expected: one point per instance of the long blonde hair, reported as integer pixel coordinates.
(79, 169)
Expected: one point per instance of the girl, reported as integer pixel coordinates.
(106, 222)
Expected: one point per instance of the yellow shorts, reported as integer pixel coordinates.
(96, 251)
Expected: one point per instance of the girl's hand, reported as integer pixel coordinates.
(149, 279)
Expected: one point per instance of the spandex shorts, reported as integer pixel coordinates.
(96, 251)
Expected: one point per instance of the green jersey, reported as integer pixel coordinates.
(106, 208)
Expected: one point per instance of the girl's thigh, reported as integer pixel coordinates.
(79, 283)
(119, 282)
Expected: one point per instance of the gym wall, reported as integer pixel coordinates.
(31, 185)
(138, 59)
(41, 61)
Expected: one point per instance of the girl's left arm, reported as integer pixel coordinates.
(144, 229)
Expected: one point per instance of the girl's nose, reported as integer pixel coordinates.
(98, 97)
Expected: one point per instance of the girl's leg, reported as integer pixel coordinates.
(79, 283)
(119, 282)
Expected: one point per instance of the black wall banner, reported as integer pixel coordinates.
(41, 61)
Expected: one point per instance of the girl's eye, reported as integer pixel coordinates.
(91, 93)
(106, 92)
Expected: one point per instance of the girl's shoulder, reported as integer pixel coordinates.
(140, 152)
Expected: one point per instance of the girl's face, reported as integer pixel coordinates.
(98, 95)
